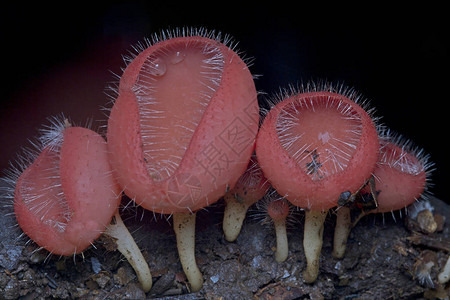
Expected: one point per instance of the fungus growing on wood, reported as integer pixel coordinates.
(182, 129)
(65, 195)
(402, 174)
(251, 187)
(401, 177)
(276, 211)
(314, 145)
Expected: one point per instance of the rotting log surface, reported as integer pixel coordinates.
(383, 261)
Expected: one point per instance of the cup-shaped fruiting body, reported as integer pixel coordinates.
(314, 145)
(278, 210)
(402, 173)
(400, 178)
(66, 197)
(251, 187)
(182, 128)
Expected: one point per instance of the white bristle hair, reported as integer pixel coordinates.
(339, 152)
(51, 135)
(259, 212)
(318, 86)
(408, 146)
(111, 89)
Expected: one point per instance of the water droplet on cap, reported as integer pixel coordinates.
(178, 57)
(158, 67)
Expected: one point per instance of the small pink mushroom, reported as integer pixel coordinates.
(276, 210)
(251, 187)
(314, 145)
(400, 178)
(402, 173)
(182, 129)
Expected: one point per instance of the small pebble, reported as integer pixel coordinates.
(96, 266)
(214, 278)
(426, 221)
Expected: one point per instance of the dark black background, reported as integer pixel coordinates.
(59, 58)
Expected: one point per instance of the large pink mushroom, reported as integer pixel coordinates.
(182, 129)
(314, 145)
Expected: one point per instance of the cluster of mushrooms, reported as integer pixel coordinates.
(186, 130)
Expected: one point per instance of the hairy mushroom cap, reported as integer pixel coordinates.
(66, 197)
(278, 209)
(312, 146)
(182, 128)
(402, 174)
(251, 186)
(315, 144)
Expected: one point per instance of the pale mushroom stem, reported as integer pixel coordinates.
(234, 215)
(312, 243)
(127, 246)
(282, 251)
(444, 276)
(341, 231)
(184, 226)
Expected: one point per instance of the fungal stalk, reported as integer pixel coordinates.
(312, 243)
(444, 276)
(341, 231)
(278, 209)
(127, 246)
(344, 222)
(65, 196)
(182, 129)
(251, 187)
(314, 145)
(184, 226)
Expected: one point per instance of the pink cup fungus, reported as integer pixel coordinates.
(251, 187)
(277, 211)
(402, 174)
(65, 195)
(314, 145)
(182, 129)
(401, 177)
